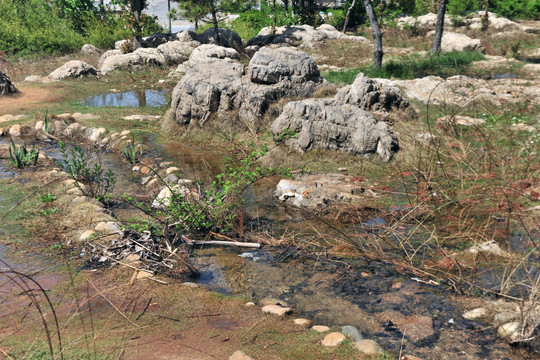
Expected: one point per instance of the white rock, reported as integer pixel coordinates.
(86, 235)
(320, 328)
(475, 314)
(369, 347)
(239, 355)
(107, 227)
(171, 170)
(15, 130)
(276, 310)
(333, 339)
(509, 331)
(303, 322)
(97, 134)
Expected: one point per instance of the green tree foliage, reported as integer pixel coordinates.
(76, 11)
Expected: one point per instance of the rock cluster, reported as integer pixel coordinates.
(222, 85)
(73, 69)
(6, 86)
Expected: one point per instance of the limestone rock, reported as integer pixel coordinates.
(324, 123)
(320, 328)
(303, 322)
(270, 66)
(120, 61)
(239, 355)
(368, 347)
(461, 120)
(333, 339)
(15, 130)
(107, 227)
(460, 42)
(475, 314)
(372, 95)
(6, 86)
(164, 197)
(426, 22)
(89, 49)
(509, 331)
(352, 332)
(176, 52)
(74, 69)
(206, 89)
(276, 310)
(208, 53)
(151, 56)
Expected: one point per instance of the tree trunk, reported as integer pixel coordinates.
(274, 24)
(436, 49)
(485, 18)
(137, 8)
(215, 21)
(377, 35)
(347, 16)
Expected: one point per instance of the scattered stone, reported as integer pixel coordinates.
(6, 86)
(9, 117)
(509, 331)
(276, 310)
(249, 304)
(107, 227)
(239, 355)
(333, 339)
(15, 130)
(125, 133)
(475, 314)
(142, 117)
(320, 328)
(190, 284)
(74, 69)
(352, 332)
(164, 197)
(460, 42)
(87, 235)
(171, 179)
(303, 322)
(368, 347)
(505, 317)
(97, 134)
(523, 127)
(90, 49)
(75, 191)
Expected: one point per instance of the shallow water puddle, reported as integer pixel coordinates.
(138, 98)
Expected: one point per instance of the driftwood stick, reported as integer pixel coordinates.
(226, 243)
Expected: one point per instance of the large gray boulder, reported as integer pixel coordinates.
(206, 89)
(327, 124)
(176, 52)
(459, 42)
(89, 49)
(121, 61)
(207, 53)
(272, 65)
(73, 69)
(372, 95)
(6, 86)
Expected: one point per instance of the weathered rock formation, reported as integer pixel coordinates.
(6, 86)
(221, 85)
(328, 124)
(89, 49)
(458, 42)
(73, 69)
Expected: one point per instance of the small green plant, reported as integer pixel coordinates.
(21, 157)
(47, 122)
(47, 198)
(46, 212)
(87, 170)
(130, 152)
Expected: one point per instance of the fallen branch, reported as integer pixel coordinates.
(226, 243)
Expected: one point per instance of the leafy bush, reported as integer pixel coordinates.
(517, 8)
(21, 157)
(87, 170)
(75, 11)
(250, 22)
(31, 26)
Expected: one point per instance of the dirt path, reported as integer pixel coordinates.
(28, 98)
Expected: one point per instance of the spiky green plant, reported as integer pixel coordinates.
(21, 157)
(130, 152)
(47, 122)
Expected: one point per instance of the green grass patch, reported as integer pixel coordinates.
(411, 67)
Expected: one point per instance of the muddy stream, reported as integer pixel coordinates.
(370, 295)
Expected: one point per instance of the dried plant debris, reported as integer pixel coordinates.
(142, 251)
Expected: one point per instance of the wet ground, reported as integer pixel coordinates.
(137, 98)
(388, 305)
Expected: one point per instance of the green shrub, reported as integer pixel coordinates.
(529, 9)
(21, 157)
(250, 22)
(33, 26)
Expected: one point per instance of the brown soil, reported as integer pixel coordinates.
(28, 98)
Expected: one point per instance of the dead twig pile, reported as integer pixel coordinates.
(141, 251)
